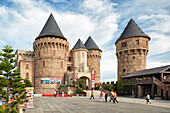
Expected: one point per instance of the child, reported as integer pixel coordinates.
(101, 95)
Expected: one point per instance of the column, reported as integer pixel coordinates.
(143, 90)
(153, 92)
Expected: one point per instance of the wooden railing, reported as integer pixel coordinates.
(144, 81)
(160, 84)
(166, 80)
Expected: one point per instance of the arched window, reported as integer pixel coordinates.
(27, 75)
(44, 63)
(27, 66)
(53, 52)
(39, 53)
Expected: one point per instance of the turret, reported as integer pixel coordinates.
(131, 49)
(50, 49)
(93, 57)
(79, 56)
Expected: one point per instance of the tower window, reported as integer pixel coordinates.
(39, 53)
(44, 63)
(82, 54)
(90, 51)
(27, 75)
(61, 63)
(133, 57)
(124, 70)
(124, 44)
(146, 43)
(65, 55)
(27, 66)
(137, 42)
(53, 52)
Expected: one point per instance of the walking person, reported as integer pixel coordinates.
(112, 96)
(92, 95)
(68, 92)
(101, 96)
(115, 97)
(55, 93)
(148, 99)
(106, 97)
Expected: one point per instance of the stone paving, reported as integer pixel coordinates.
(85, 105)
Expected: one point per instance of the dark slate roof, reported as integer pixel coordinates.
(79, 44)
(132, 30)
(91, 45)
(50, 28)
(147, 71)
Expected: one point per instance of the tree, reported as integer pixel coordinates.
(121, 87)
(11, 80)
(79, 82)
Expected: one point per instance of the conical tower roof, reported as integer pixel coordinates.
(91, 45)
(79, 44)
(51, 28)
(132, 30)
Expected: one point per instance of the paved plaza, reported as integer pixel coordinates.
(85, 105)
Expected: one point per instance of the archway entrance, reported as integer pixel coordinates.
(87, 82)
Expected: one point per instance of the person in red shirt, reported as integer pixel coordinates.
(101, 96)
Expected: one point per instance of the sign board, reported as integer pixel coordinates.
(50, 81)
(75, 76)
(93, 80)
(30, 94)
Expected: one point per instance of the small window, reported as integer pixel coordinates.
(39, 53)
(90, 51)
(124, 70)
(124, 44)
(27, 75)
(65, 55)
(137, 42)
(133, 57)
(44, 63)
(82, 54)
(27, 66)
(146, 43)
(53, 52)
(61, 63)
(69, 68)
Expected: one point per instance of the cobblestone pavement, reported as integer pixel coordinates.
(85, 105)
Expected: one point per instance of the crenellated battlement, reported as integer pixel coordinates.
(51, 42)
(25, 53)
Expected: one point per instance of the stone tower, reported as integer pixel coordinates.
(79, 56)
(131, 49)
(93, 57)
(50, 49)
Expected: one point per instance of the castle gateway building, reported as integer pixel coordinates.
(52, 64)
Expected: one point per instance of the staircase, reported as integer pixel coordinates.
(160, 84)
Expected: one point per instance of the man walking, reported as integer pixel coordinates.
(115, 97)
(106, 97)
(112, 96)
(92, 95)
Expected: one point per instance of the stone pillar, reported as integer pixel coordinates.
(143, 90)
(139, 90)
(153, 91)
(136, 91)
(130, 90)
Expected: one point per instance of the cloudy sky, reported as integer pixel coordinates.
(22, 20)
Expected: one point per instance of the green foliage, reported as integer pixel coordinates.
(109, 87)
(13, 110)
(2, 110)
(27, 83)
(11, 79)
(80, 82)
(80, 91)
(122, 88)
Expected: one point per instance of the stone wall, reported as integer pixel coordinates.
(132, 57)
(93, 61)
(50, 62)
